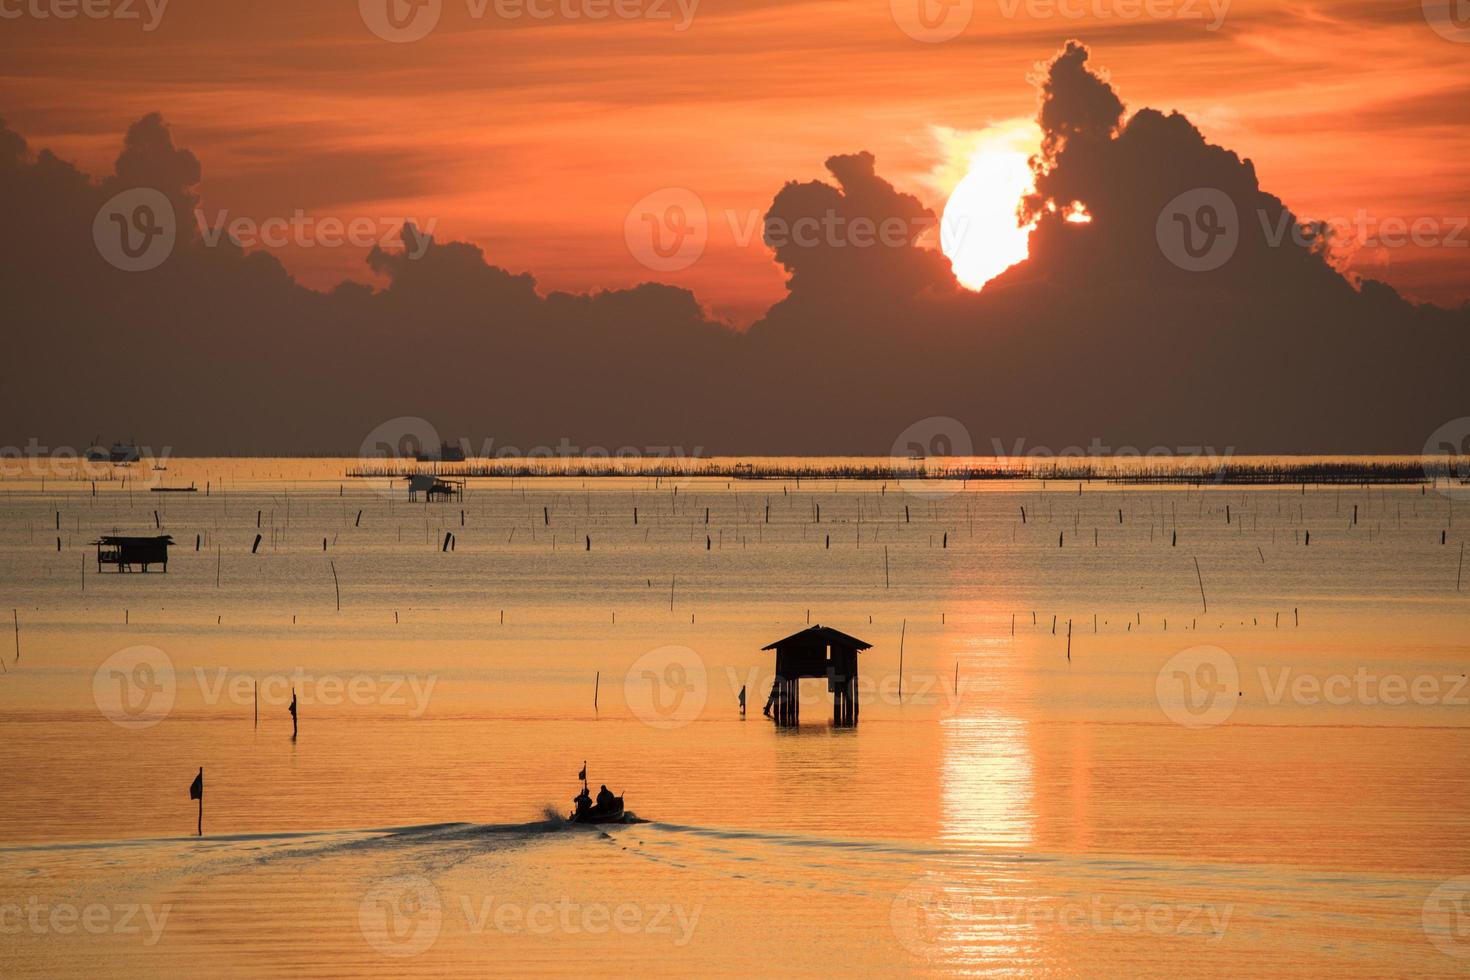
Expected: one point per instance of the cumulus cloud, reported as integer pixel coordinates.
(1101, 335)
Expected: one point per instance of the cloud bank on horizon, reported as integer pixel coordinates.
(1191, 309)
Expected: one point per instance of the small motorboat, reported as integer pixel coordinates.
(610, 812)
(607, 809)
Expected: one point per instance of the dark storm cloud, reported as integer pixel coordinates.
(1105, 336)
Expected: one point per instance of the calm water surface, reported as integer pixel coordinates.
(1258, 767)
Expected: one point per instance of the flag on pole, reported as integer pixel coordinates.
(196, 788)
(583, 773)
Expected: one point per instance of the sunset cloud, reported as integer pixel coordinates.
(1190, 286)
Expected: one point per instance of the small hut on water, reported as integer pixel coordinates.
(432, 486)
(125, 551)
(819, 651)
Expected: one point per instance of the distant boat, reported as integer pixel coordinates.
(119, 452)
(189, 489)
(448, 453)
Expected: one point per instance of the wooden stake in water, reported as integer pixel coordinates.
(902, 630)
(596, 685)
(336, 585)
(1201, 579)
(15, 614)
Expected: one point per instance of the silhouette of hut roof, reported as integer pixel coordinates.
(820, 636)
(134, 538)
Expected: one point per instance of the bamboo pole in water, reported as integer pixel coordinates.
(901, 633)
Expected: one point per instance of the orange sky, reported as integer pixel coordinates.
(534, 137)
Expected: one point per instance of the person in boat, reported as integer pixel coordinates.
(583, 800)
(605, 797)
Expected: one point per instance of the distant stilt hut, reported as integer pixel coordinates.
(816, 652)
(125, 552)
(432, 486)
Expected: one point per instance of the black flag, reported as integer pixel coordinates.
(583, 773)
(196, 788)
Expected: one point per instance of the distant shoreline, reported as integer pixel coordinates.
(1194, 470)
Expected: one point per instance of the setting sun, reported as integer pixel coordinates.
(979, 231)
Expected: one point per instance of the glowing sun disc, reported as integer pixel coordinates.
(978, 231)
